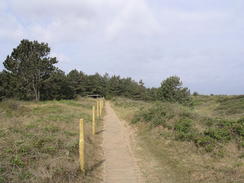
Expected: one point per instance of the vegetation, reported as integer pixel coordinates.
(171, 90)
(185, 125)
(28, 67)
(30, 74)
(198, 142)
(202, 134)
(39, 142)
(231, 105)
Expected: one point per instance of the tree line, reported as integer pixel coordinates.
(30, 74)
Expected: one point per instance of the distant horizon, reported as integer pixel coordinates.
(148, 86)
(145, 84)
(199, 41)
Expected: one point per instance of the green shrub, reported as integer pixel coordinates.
(238, 127)
(184, 130)
(195, 94)
(183, 122)
(203, 140)
(171, 90)
(155, 115)
(220, 123)
(206, 142)
(220, 134)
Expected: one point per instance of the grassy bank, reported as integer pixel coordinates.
(39, 142)
(201, 143)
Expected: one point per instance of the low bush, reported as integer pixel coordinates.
(156, 115)
(183, 122)
(184, 130)
(203, 140)
(220, 134)
(238, 127)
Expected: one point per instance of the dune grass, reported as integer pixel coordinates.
(193, 144)
(230, 107)
(39, 142)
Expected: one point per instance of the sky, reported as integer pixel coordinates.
(201, 41)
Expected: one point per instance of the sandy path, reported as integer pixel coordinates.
(120, 164)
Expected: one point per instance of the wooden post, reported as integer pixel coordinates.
(103, 102)
(93, 121)
(97, 109)
(82, 146)
(100, 102)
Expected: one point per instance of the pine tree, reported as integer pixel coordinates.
(30, 65)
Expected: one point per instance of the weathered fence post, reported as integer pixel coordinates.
(100, 102)
(97, 109)
(93, 121)
(82, 146)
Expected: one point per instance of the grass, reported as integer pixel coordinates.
(192, 144)
(39, 142)
(231, 107)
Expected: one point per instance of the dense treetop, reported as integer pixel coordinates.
(30, 74)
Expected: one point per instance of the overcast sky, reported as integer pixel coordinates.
(202, 41)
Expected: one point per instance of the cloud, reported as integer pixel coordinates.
(61, 20)
(11, 31)
(60, 30)
(55, 21)
(2, 6)
(201, 41)
(135, 17)
(10, 27)
(45, 8)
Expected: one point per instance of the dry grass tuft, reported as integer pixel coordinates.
(39, 142)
